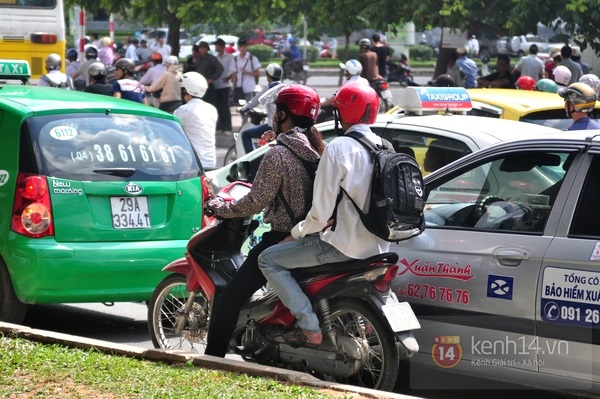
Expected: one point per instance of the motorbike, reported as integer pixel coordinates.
(382, 88)
(256, 117)
(366, 331)
(295, 70)
(399, 72)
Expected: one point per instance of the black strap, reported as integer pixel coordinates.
(286, 204)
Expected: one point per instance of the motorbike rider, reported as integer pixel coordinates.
(153, 74)
(580, 100)
(525, 83)
(281, 177)
(352, 70)
(91, 56)
(168, 84)
(54, 77)
(97, 73)
(273, 72)
(293, 58)
(125, 86)
(547, 85)
(368, 60)
(345, 165)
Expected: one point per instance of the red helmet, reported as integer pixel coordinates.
(156, 57)
(301, 100)
(526, 83)
(357, 103)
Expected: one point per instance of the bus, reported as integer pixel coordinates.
(30, 30)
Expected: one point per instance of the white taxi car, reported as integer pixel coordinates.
(505, 279)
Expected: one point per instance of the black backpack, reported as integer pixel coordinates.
(61, 85)
(311, 170)
(395, 210)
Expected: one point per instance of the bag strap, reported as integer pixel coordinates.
(286, 204)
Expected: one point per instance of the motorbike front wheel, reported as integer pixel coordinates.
(355, 319)
(230, 155)
(166, 310)
(301, 77)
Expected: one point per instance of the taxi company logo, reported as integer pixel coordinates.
(133, 188)
(440, 269)
(446, 351)
(500, 287)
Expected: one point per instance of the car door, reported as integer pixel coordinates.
(471, 276)
(568, 298)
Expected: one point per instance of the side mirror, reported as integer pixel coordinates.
(239, 171)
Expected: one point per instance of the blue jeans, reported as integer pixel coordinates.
(275, 263)
(253, 133)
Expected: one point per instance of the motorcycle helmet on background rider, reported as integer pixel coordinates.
(562, 75)
(97, 70)
(274, 71)
(364, 43)
(525, 83)
(580, 95)
(352, 67)
(194, 84)
(126, 65)
(53, 62)
(90, 53)
(547, 85)
(171, 60)
(357, 103)
(72, 54)
(591, 80)
(156, 58)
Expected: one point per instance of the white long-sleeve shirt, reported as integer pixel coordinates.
(199, 120)
(346, 163)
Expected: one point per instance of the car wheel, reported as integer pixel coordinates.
(11, 309)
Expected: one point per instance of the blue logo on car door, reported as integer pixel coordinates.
(500, 287)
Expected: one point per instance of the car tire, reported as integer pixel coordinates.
(11, 309)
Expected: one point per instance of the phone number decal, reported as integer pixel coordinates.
(123, 153)
(571, 297)
(435, 293)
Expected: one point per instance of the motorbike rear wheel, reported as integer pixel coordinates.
(230, 155)
(166, 309)
(354, 318)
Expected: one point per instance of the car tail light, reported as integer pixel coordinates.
(43, 38)
(32, 211)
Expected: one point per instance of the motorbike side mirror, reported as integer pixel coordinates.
(239, 171)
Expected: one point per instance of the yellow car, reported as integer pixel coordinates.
(537, 107)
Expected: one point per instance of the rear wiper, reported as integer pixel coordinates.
(121, 172)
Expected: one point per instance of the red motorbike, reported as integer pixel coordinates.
(366, 331)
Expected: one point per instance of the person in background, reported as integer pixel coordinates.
(161, 47)
(190, 62)
(143, 52)
(105, 53)
(525, 83)
(467, 66)
(473, 45)
(530, 65)
(591, 80)
(576, 72)
(125, 86)
(168, 84)
(502, 78)
(580, 100)
(54, 77)
(383, 54)
(576, 57)
(352, 69)
(444, 80)
(208, 66)
(198, 118)
(369, 62)
(223, 89)
(153, 74)
(245, 69)
(95, 40)
(552, 62)
(72, 67)
(345, 165)
(454, 71)
(562, 76)
(131, 51)
(97, 73)
(91, 56)
(547, 85)
(293, 57)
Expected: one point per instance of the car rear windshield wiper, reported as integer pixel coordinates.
(121, 172)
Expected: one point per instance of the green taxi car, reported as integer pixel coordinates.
(98, 193)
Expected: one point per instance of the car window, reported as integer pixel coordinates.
(586, 222)
(513, 193)
(111, 147)
(430, 151)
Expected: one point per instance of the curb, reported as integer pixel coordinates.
(337, 71)
(204, 361)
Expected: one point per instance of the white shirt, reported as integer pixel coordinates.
(199, 120)
(164, 50)
(246, 82)
(56, 77)
(357, 79)
(346, 163)
(223, 81)
(131, 53)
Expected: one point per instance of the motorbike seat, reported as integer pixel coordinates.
(350, 266)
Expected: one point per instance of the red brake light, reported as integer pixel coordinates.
(384, 85)
(383, 284)
(32, 211)
(43, 38)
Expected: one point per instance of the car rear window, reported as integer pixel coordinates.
(556, 118)
(110, 147)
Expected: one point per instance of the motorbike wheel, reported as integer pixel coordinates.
(384, 105)
(165, 310)
(301, 77)
(230, 155)
(406, 81)
(354, 318)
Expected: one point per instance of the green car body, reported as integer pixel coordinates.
(123, 196)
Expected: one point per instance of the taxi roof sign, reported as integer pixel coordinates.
(14, 70)
(448, 99)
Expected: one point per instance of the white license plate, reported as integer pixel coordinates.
(401, 316)
(130, 212)
(386, 94)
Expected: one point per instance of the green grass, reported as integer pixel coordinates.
(34, 370)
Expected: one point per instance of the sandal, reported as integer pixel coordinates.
(299, 337)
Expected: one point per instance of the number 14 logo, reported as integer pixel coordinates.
(446, 351)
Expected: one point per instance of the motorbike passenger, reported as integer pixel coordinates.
(168, 84)
(346, 166)
(580, 100)
(91, 56)
(273, 72)
(98, 85)
(368, 60)
(125, 86)
(352, 70)
(281, 177)
(153, 74)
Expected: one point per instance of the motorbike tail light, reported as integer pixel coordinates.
(384, 283)
(384, 85)
(32, 211)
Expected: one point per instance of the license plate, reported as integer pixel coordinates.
(401, 316)
(386, 94)
(130, 212)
